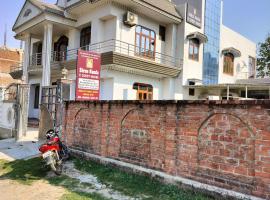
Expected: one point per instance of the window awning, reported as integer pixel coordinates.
(233, 51)
(197, 35)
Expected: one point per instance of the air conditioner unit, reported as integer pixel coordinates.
(130, 19)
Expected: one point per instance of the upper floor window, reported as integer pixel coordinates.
(85, 38)
(194, 46)
(144, 91)
(251, 67)
(27, 13)
(145, 42)
(228, 66)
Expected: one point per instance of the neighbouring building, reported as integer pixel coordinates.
(10, 60)
(151, 50)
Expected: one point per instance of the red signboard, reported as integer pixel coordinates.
(88, 76)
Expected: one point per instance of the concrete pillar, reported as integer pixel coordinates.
(97, 27)
(22, 111)
(171, 42)
(73, 39)
(26, 58)
(46, 54)
(228, 92)
(169, 89)
(246, 92)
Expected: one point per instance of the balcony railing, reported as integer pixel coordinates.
(36, 59)
(112, 46)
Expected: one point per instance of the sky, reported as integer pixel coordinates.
(250, 18)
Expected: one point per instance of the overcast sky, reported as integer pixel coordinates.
(250, 18)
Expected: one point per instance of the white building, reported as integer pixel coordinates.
(150, 49)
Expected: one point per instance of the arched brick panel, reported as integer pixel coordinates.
(86, 131)
(226, 151)
(135, 137)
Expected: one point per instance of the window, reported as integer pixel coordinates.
(36, 100)
(162, 33)
(228, 67)
(194, 46)
(191, 92)
(85, 38)
(251, 67)
(60, 49)
(27, 13)
(144, 91)
(211, 49)
(145, 42)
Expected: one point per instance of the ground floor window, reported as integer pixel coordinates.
(36, 100)
(144, 91)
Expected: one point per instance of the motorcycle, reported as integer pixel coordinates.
(54, 152)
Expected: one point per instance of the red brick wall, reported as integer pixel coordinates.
(221, 143)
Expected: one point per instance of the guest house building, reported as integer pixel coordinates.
(150, 50)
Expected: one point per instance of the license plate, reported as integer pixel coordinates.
(47, 154)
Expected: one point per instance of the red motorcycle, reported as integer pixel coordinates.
(54, 152)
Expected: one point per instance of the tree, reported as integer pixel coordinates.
(263, 61)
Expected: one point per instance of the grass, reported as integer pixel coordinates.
(82, 196)
(137, 185)
(26, 172)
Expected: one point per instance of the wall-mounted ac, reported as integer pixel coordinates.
(130, 19)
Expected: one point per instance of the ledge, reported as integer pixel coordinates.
(182, 102)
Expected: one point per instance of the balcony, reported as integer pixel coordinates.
(16, 71)
(117, 55)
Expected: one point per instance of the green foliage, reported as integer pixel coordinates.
(263, 61)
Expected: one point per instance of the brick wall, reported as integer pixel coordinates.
(8, 57)
(221, 143)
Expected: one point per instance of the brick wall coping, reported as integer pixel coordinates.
(182, 102)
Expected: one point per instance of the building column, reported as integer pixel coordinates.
(97, 27)
(26, 58)
(171, 42)
(73, 39)
(47, 54)
(169, 89)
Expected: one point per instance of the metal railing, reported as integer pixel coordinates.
(36, 59)
(112, 46)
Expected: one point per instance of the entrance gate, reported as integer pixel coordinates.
(51, 111)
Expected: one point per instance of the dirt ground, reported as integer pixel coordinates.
(12, 190)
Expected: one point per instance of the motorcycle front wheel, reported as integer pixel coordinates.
(56, 166)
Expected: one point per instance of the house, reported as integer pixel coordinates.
(10, 60)
(150, 50)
